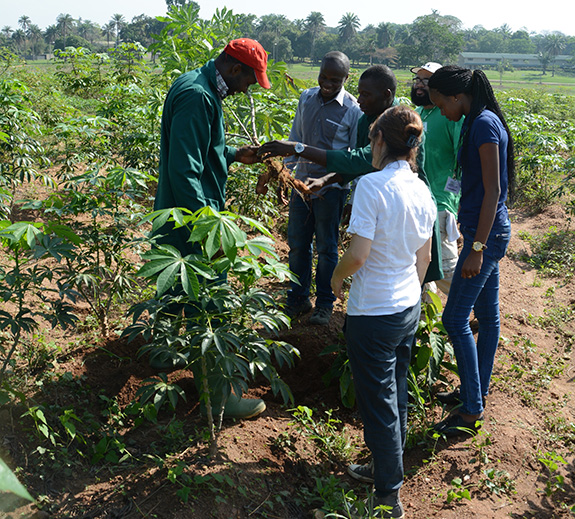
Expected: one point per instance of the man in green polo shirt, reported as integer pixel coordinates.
(194, 157)
(441, 147)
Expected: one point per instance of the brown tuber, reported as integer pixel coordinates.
(276, 171)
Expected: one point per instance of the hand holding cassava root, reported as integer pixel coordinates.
(276, 170)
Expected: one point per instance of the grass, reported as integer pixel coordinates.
(517, 79)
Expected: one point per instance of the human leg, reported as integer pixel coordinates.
(463, 297)
(327, 214)
(300, 237)
(449, 253)
(486, 308)
(379, 351)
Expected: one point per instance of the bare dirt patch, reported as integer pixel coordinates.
(267, 468)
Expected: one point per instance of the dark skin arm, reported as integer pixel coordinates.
(317, 155)
(287, 148)
(489, 156)
(248, 155)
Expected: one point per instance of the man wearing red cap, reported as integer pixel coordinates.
(194, 157)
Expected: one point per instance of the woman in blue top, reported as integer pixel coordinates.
(486, 177)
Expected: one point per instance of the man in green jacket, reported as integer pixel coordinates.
(194, 157)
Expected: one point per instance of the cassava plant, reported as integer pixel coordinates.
(100, 269)
(28, 277)
(21, 153)
(224, 309)
(432, 344)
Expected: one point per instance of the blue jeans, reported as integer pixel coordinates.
(319, 216)
(379, 350)
(480, 294)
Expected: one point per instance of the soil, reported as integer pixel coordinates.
(266, 466)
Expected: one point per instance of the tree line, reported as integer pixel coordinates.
(430, 37)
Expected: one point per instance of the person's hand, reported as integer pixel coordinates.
(472, 265)
(336, 286)
(248, 155)
(276, 149)
(317, 184)
(346, 214)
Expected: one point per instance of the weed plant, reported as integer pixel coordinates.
(331, 440)
(553, 253)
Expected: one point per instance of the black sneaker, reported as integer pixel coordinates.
(362, 473)
(454, 398)
(393, 509)
(454, 425)
(449, 397)
(293, 311)
(320, 316)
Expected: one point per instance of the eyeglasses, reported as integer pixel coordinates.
(423, 81)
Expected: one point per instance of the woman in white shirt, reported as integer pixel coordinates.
(391, 227)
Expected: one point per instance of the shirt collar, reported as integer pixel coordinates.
(338, 98)
(221, 85)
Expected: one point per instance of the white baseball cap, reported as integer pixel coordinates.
(430, 66)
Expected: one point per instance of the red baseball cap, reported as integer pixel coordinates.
(252, 54)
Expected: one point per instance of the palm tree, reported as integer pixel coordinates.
(7, 31)
(109, 31)
(315, 23)
(348, 26)
(50, 35)
(553, 45)
(19, 38)
(118, 21)
(385, 35)
(24, 22)
(88, 30)
(64, 23)
(34, 34)
(505, 31)
(274, 23)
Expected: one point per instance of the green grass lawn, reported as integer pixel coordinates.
(517, 79)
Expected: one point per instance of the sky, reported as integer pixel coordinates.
(553, 15)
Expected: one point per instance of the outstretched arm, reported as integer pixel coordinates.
(287, 148)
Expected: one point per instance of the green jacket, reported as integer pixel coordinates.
(194, 157)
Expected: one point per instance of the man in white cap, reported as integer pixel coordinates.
(441, 146)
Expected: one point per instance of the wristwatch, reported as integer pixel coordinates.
(299, 147)
(478, 246)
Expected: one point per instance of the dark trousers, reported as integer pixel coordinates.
(379, 350)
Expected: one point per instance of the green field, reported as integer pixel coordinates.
(517, 79)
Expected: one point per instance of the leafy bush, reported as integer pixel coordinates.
(21, 153)
(217, 330)
(23, 276)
